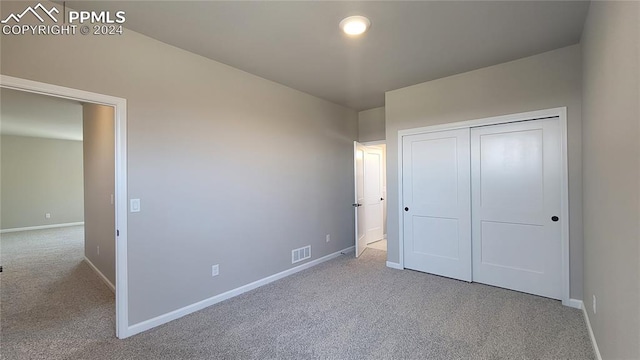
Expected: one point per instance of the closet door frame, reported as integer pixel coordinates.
(561, 114)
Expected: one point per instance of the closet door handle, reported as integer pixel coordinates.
(555, 218)
(406, 209)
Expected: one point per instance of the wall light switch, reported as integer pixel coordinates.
(135, 205)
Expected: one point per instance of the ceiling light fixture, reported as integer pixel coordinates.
(355, 25)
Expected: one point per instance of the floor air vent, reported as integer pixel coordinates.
(300, 254)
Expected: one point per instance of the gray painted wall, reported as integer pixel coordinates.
(40, 176)
(99, 185)
(543, 81)
(231, 169)
(611, 167)
(371, 125)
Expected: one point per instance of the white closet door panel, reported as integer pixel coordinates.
(516, 181)
(436, 202)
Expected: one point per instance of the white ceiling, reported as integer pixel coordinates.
(298, 44)
(28, 114)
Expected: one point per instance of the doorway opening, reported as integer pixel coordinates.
(370, 196)
(98, 241)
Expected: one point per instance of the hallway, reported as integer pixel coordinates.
(50, 297)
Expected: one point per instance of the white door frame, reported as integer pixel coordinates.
(561, 114)
(356, 203)
(374, 143)
(120, 105)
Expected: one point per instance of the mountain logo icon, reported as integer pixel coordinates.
(34, 11)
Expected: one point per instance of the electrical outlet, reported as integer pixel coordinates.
(215, 270)
(594, 304)
(328, 237)
(47, 216)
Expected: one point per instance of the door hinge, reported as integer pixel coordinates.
(117, 232)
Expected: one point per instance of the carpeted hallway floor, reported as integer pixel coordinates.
(51, 302)
(379, 245)
(54, 307)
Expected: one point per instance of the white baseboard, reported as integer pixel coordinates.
(394, 265)
(590, 329)
(574, 303)
(104, 278)
(176, 314)
(347, 250)
(41, 227)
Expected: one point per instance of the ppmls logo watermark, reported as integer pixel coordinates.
(38, 20)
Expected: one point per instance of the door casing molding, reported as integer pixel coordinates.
(120, 107)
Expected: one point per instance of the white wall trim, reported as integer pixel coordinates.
(176, 314)
(564, 207)
(574, 303)
(494, 120)
(104, 278)
(41, 227)
(394, 265)
(120, 107)
(596, 350)
(346, 251)
(561, 114)
(374, 143)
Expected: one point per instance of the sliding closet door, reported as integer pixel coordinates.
(436, 203)
(516, 182)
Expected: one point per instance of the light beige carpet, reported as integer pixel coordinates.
(379, 245)
(54, 307)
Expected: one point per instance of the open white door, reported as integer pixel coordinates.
(373, 194)
(358, 168)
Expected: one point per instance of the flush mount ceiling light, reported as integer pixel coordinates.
(355, 25)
